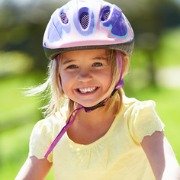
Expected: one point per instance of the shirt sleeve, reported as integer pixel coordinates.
(40, 139)
(144, 120)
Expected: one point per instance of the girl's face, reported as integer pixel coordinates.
(86, 75)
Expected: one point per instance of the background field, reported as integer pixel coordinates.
(154, 72)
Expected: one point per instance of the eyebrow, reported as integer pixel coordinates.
(100, 57)
(66, 61)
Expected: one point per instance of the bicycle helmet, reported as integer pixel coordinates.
(87, 24)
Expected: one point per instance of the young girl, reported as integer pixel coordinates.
(92, 130)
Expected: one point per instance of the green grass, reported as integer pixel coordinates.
(13, 101)
(14, 148)
(16, 109)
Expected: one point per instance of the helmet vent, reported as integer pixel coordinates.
(84, 20)
(63, 17)
(104, 14)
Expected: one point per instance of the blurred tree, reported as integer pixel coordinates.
(22, 27)
(150, 21)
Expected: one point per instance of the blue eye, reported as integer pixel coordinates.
(73, 66)
(97, 64)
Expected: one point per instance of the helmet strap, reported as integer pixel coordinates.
(69, 122)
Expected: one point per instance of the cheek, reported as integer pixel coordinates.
(109, 78)
(105, 78)
(65, 81)
(62, 79)
(108, 75)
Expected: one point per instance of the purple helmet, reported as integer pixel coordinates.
(87, 24)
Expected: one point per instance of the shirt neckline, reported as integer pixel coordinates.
(78, 146)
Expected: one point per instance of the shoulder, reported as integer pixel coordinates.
(43, 133)
(49, 126)
(141, 117)
(129, 101)
(133, 105)
(53, 121)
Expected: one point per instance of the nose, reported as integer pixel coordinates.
(84, 75)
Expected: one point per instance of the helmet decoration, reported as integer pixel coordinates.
(87, 24)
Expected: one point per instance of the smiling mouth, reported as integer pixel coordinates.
(87, 90)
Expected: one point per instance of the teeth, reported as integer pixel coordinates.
(87, 90)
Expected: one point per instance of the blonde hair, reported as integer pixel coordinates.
(57, 98)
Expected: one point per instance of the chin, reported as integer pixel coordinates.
(89, 104)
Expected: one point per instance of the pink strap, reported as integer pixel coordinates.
(63, 130)
(120, 65)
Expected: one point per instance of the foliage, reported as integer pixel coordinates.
(16, 109)
(12, 63)
(25, 26)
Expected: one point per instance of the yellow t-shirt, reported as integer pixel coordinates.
(117, 155)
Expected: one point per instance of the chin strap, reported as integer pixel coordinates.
(87, 109)
(70, 122)
(63, 130)
(101, 104)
